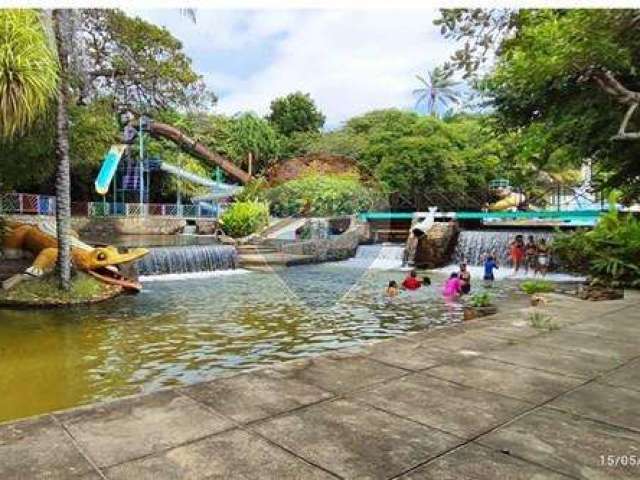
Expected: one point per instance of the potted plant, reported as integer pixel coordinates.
(479, 305)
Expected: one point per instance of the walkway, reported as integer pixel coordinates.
(492, 399)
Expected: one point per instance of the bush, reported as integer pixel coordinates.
(244, 218)
(481, 300)
(610, 253)
(540, 321)
(536, 286)
(321, 195)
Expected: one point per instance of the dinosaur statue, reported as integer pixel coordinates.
(41, 241)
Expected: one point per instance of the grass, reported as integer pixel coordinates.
(537, 286)
(540, 321)
(84, 288)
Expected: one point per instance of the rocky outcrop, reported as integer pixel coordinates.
(434, 248)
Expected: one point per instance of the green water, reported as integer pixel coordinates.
(180, 332)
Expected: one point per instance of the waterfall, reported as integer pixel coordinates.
(472, 244)
(195, 258)
(384, 257)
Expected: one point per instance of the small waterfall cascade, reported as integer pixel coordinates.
(189, 230)
(379, 256)
(189, 259)
(473, 244)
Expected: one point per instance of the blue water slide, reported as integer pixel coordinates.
(109, 167)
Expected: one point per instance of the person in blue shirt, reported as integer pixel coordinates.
(490, 265)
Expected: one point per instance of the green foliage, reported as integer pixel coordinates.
(297, 112)
(244, 218)
(255, 190)
(610, 253)
(29, 161)
(249, 134)
(540, 321)
(481, 299)
(321, 195)
(531, 287)
(141, 64)
(437, 89)
(412, 154)
(543, 88)
(28, 70)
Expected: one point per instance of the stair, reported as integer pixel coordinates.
(265, 257)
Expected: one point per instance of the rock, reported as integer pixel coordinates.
(597, 293)
(537, 300)
(435, 247)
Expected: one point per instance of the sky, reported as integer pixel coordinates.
(350, 61)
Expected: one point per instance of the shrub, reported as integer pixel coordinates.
(482, 299)
(244, 218)
(610, 253)
(321, 195)
(536, 286)
(541, 321)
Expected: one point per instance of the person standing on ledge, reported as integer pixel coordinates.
(517, 253)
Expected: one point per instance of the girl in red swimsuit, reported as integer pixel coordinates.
(517, 252)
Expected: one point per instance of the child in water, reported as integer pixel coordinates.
(392, 289)
(465, 279)
(489, 266)
(452, 287)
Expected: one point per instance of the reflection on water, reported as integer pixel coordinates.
(180, 332)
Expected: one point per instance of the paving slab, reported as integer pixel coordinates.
(518, 382)
(441, 404)
(555, 360)
(614, 405)
(475, 462)
(233, 454)
(627, 376)
(591, 345)
(410, 354)
(39, 448)
(126, 429)
(339, 373)
(356, 441)
(252, 396)
(513, 327)
(617, 327)
(471, 341)
(568, 444)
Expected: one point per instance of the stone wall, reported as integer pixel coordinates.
(338, 247)
(434, 249)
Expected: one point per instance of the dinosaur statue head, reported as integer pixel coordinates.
(104, 264)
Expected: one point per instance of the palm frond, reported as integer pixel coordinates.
(28, 70)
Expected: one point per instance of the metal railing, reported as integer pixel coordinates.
(33, 204)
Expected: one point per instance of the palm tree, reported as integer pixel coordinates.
(28, 71)
(63, 183)
(438, 89)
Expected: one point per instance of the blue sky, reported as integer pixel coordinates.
(350, 61)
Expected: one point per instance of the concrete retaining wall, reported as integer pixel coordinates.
(104, 226)
(338, 247)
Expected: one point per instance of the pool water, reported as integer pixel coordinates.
(185, 330)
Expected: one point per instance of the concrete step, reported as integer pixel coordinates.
(277, 259)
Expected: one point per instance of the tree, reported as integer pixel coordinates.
(63, 184)
(569, 74)
(437, 89)
(252, 142)
(28, 71)
(297, 112)
(140, 64)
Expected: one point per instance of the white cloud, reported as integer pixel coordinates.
(349, 61)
